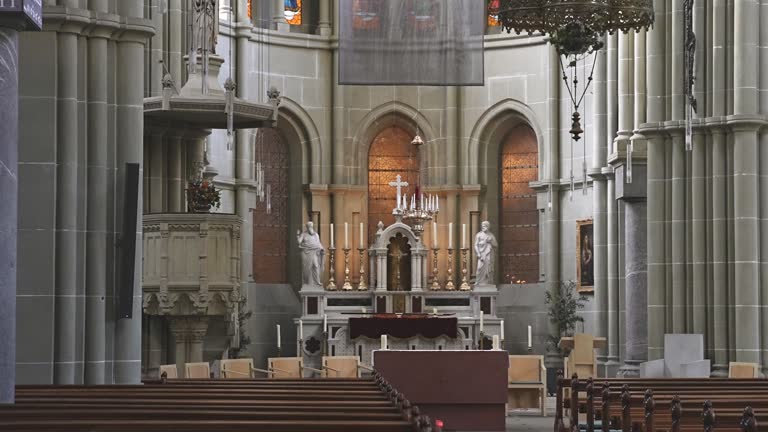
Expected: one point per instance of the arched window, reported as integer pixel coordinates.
(270, 228)
(519, 239)
(390, 155)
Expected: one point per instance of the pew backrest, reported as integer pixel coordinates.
(236, 368)
(170, 371)
(341, 367)
(285, 367)
(743, 370)
(197, 370)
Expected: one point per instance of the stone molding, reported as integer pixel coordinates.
(89, 23)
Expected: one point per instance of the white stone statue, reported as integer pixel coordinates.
(205, 25)
(485, 249)
(312, 255)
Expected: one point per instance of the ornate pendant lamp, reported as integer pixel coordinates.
(576, 29)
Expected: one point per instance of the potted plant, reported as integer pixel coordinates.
(202, 195)
(564, 306)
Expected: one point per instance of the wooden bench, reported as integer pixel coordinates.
(217, 405)
(683, 404)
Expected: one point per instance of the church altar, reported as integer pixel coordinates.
(403, 326)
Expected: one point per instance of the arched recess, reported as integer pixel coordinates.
(391, 154)
(387, 115)
(501, 123)
(290, 154)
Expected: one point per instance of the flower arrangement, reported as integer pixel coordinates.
(202, 195)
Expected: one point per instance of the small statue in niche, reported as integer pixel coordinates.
(485, 249)
(312, 255)
(205, 21)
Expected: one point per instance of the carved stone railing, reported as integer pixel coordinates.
(191, 264)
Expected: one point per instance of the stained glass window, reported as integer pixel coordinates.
(270, 229)
(423, 15)
(249, 8)
(366, 14)
(293, 11)
(519, 216)
(391, 154)
(493, 13)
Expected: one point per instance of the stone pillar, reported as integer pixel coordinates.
(278, 16)
(176, 178)
(9, 119)
(189, 335)
(636, 279)
(612, 242)
(157, 170)
(324, 24)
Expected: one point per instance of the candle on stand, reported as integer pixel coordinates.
(529, 336)
(481, 321)
(383, 341)
(463, 236)
(434, 311)
(496, 343)
(434, 235)
(325, 323)
(450, 235)
(278, 336)
(438, 203)
(346, 235)
(502, 329)
(301, 330)
(361, 236)
(331, 236)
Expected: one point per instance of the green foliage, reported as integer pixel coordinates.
(202, 195)
(564, 306)
(245, 340)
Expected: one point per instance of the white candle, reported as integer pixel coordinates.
(502, 329)
(301, 330)
(434, 235)
(361, 236)
(325, 323)
(346, 235)
(481, 321)
(383, 341)
(278, 336)
(463, 236)
(496, 343)
(438, 203)
(434, 311)
(529, 336)
(363, 310)
(450, 235)
(331, 236)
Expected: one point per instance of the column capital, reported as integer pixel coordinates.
(188, 328)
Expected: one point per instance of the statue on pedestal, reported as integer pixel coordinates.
(312, 255)
(485, 249)
(205, 22)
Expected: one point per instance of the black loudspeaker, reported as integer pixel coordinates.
(128, 241)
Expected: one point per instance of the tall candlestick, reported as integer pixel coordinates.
(325, 323)
(383, 341)
(434, 235)
(331, 236)
(301, 330)
(438, 203)
(450, 235)
(529, 337)
(463, 236)
(346, 235)
(481, 321)
(278, 336)
(361, 236)
(502, 329)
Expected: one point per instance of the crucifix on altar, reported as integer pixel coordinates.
(399, 184)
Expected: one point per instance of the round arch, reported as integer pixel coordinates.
(296, 126)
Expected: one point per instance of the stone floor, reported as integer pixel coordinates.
(529, 422)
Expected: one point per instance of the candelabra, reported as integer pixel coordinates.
(449, 282)
(464, 282)
(435, 282)
(331, 269)
(347, 284)
(362, 286)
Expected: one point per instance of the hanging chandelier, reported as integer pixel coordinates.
(421, 208)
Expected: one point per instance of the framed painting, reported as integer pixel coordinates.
(585, 257)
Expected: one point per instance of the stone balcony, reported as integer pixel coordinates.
(191, 264)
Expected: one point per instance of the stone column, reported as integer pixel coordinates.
(176, 178)
(9, 141)
(636, 279)
(278, 16)
(324, 24)
(157, 169)
(189, 334)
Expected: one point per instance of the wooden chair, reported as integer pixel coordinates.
(170, 370)
(342, 367)
(237, 368)
(198, 370)
(743, 370)
(582, 359)
(284, 367)
(527, 382)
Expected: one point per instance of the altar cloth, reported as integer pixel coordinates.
(404, 327)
